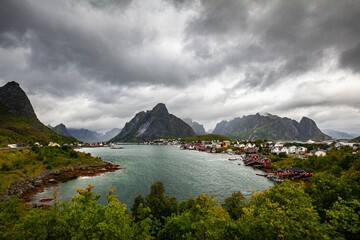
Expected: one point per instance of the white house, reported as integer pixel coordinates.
(301, 150)
(53, 144)
(320, 153)
(284, 150)
(292, 149)
(275, 150)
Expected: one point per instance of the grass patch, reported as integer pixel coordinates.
(17, 163)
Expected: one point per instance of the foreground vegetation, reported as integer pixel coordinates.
(325, 208)
(16, 163)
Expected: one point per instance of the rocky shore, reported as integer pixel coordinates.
(27, 187)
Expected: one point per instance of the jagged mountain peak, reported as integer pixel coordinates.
(253, 127)
(160, 109)
(156, 123)
(18, 121)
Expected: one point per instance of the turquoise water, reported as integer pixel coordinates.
(184, 173)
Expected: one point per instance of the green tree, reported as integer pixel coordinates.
(199, 218)
(283, 212)
(234, 205)
(160, 205)
(344, 218)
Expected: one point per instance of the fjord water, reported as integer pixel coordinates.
(184, 173)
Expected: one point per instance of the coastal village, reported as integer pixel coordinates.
(258, 154)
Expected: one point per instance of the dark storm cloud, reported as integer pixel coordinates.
(217, 18)
(61, 39)
(108, 4)
(351, 58)
(291, 36)
(218, 52)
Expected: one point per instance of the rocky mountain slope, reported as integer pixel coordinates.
(154, 124)
(18, 121)
(254, 127)
(197, 127)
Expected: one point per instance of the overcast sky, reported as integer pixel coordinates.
(95, 63)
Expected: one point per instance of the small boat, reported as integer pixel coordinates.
(262, 174)
(46, 199)
(116, 146)
(233, 159)
(274, 178)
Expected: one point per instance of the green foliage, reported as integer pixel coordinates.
(27, 131)
(234, 205)
(344, 218)
(206, 137)
(15, 162)
(160, 205)
(282, 212)
(199, 218)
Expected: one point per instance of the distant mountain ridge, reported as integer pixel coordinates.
(153, 124)
(85, 135)
(197, 127)
(61, 129)
(338, 134)
(255, 127)
(18, 121)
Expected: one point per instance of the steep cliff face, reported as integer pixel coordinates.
(14, 102)
(269, 126)
(18, 121)
(197, 127)
(153, 124)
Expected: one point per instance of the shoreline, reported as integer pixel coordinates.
(27, 187)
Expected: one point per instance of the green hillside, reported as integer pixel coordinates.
(206, 137)
(17, 130)
(18, 121)
(17, 163)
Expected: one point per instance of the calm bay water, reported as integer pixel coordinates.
(184, 173)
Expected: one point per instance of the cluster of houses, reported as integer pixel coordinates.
(253, 159)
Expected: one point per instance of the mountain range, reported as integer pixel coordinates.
(18, 121)
(85, 135)
(254, 127)
(154, 124)
(19, 124)
(338, 134)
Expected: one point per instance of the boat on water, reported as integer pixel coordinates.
(116, 146)
(274, 178)
(233, 159)
(46, 199)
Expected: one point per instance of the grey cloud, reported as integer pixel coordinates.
(108, 4)
(114, 49)
(291, 36)
(351, 58)
(103, 54)
(218, 18)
